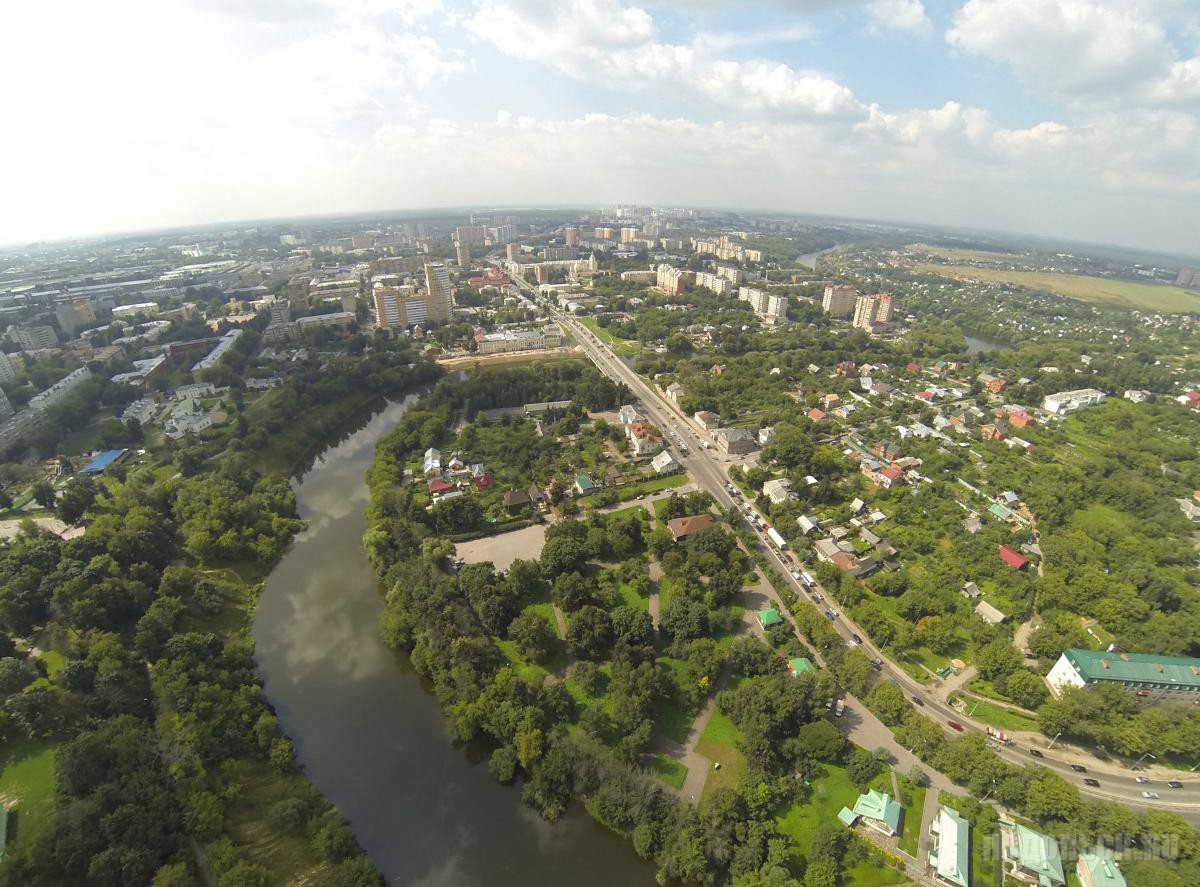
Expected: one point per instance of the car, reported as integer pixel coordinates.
(829, 614)
(856, 638)
(955, 725)
(818, 598)
(1143, 693)
(1036, 753)
(1175, 783)
(1143, 780)
(877, 664)
(1079, 768)
(995, 746)
(1094, 783)
(1150, 796)
(917, 699)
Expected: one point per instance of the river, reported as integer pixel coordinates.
(372, 738)
(810, 259)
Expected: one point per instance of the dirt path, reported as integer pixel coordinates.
(653, 603)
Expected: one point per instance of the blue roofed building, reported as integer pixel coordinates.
(103, 461)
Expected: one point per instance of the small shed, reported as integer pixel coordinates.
(768, 617)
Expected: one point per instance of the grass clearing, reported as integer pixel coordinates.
(620, 347)
(868, 874)
(718, 743)
(27, 780)
(828, 795)
(999, 716)
(1121, 293)
(913, 798)
(631, 598)
(668, 770)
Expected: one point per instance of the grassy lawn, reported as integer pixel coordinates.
(829, 794)
(527, 670)
(620, 347)
(718, 743)
(668, 770)
(914, 803)
(27, 780)
(998, 716)
(868, 874)
(1122, 293)
(676, 717)
(651, 485)
(631, 598)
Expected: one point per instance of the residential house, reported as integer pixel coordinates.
(675, 392)
(950, 855)
(537, 498)
(734, 441)
(627, 414)
(1019, 418)
(826, 549)
(991, 383)
(1011, 558)
(807, 524)
(682, 527)
(1190, 509)
(887, 450)
(1031, 856)
(778, 490)
(766, 435)
(1096, 867)
(970, 590)
(846, 368)
(876, 810)
(989, 614)
(186, 418)
(815, 415)
(1137, 396)
(993, 431)
(643, 439)
(799, 665)
(437, 485)
(484, 481)
(706, 420)
(432, 463)
(664, 463)
(515, 500)
(768, 617)
(584, 485)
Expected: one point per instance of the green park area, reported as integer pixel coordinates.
(620, 347)
(27, 786)
(1119, 293)
(719, 743)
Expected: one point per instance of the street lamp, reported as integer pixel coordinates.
(1054, 740)
(1137, 763)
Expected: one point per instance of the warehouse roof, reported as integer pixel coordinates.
(1135, 668)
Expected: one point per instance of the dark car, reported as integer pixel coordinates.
(1094, 783)
(1175, 783)
(877, 664)
(955, 725)
(1036, 753)
(829, 614)
(856, 639)
(918, 700)
(1079, 768)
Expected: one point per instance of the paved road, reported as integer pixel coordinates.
(708, 470)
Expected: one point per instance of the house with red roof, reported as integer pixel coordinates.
(483, 481)
(816, 415)
(1011, 558)
(437, 485)
(682, 527)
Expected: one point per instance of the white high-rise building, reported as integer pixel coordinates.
(768, 306)
(439, 294)
(571, 236)
(8, 372)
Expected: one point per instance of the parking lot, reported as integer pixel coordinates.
(505, 548)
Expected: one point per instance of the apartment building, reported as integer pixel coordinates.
(715, 282)
(840, 301)
(768, 306)
(33, 338)
(873, 311)
(470, 234)
(672, 280)
(75, 315)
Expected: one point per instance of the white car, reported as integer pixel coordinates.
(1150, 796)
(1143, 780)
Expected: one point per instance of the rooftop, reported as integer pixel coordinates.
(1135, 668)
(1038, 854)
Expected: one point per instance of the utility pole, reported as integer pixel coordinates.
(1054, 740)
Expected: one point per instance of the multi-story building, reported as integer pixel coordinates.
(768, 306)
(602, 233)
(75, 315)
(840, 300)
(732, 273)
(715, 282)
(571, 236)
(560, 253)
(462, 253)
(628, 235)
(32, 338)
(6, 408)
(280, 311)
(1188, 277)
(1070, 401)
(671, 280)
(873, 311)
(362, 241)
(519, 340)
(513, 252)
(8, 370)
(439, 295)
(503, 233)
(1133, 671)
(470, 233)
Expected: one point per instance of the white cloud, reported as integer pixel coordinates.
(1084, 49)
(578, 38)
(899, 15)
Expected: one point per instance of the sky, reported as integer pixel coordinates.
(1077, 119)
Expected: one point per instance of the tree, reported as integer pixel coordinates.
(997, 659)
(15, 675)
(887, 700)
(589, 634)
(533, 636)
(43, 494)
(562, 554)
(1049, 796)
(632, 626)
(821, 740)
(1025, 688)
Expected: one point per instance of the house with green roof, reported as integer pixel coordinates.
(1031, 856)
(1096, 867)
(875, 809)
(584, 484)
(1135, 671)
(768, 617)
(798, 665)
(950, 855)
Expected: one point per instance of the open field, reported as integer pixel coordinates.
(1120, 293)
(27, 783)
(969, 255)
(668, 770)
(502, 550)
(620, 347)
(718, 743)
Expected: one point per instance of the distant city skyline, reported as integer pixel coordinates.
(1069, 119)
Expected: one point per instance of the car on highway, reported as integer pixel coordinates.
(917, 699)
(829, 614)
(955, 725)
(1175, 783)
(817, 597)
(856, 638)
(1150, 796)
(1094, 783)
(1036, 753)
(1143, 780)
(877, 664)
(1079, 768)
